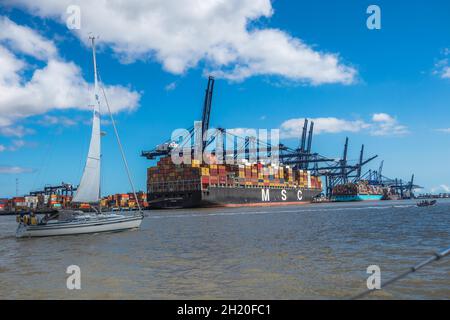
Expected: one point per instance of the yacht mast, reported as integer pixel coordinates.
(95, 67)
(94, 61)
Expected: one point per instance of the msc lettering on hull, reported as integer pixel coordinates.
(265, 195)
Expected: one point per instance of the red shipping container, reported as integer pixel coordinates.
(205, 180)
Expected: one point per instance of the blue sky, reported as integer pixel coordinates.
(158, 79)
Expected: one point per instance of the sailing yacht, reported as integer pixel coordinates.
(70, 222)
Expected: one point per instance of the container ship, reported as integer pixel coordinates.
(3, 205)
(361, 191)
(247, 184)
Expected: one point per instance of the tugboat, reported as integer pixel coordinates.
(426, 203)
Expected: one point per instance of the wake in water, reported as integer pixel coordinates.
(232, 213)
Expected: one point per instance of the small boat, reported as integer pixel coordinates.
(73, 222)
(426, 203)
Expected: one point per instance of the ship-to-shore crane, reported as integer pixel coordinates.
(165, 148)
(64, 189)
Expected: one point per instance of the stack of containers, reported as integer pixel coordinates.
(131, 200)
(241, 174)
(124, 198)
(110, 202)
(345, 189)
(104, 202)
(84, 206)
(265, 176)
(142, 198)
(204, 177)
(31, 202)
(214, 174)
(304, 179)
(222, 174)
(270, 174)
(168, 177)
(248, 174)
(276, 176)
(115, 200)
(316, 183)
(301, 178)
(288, 176)
(43, 200)
(19, 202)
(254, 175)
(260, 174)
(53, 201)
(281, 176)
(309, 178)
(365, 188)
(66, 201)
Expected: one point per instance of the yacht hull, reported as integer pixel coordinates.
(110, 223)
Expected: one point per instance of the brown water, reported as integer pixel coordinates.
(295, 252)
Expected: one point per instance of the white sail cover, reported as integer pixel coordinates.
(89, 189)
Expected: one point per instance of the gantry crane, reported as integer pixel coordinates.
(165, 148)
(62, 189)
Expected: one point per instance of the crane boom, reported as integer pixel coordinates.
(207, 104)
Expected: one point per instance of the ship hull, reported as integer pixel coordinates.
(357, 197)
(232, 196)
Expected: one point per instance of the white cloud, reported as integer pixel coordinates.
(18, 131)
(243, 132)
(381, 124)
(444, 130)
(292, 128)
(382, 117)
(441, 67)
(273, 52)
(14, 170)
(57, 85)
(180, 34)
(441, 188)
(25, 40)
(48, 120)
(171, 86)
(384, 125)
(17, 144)
(446, 72)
